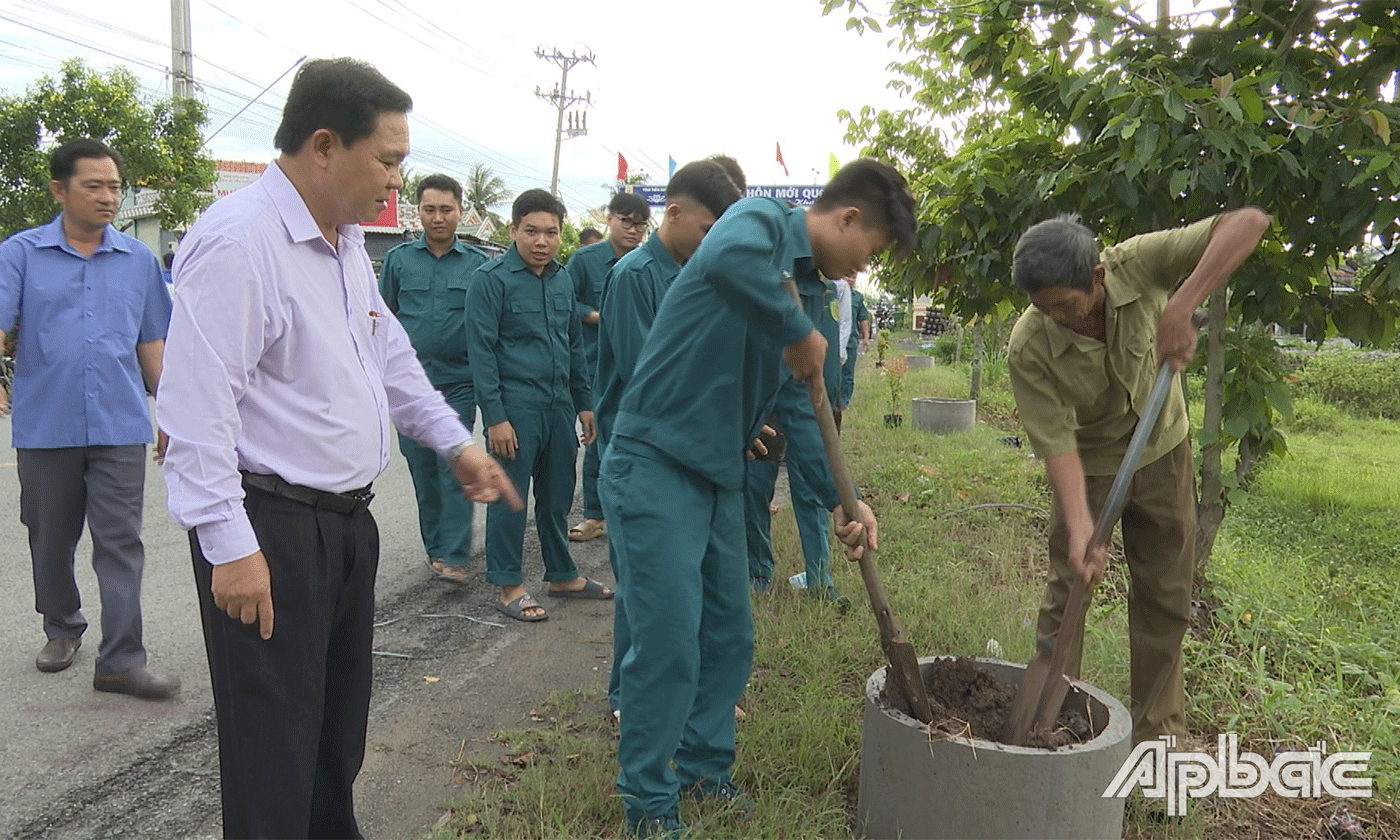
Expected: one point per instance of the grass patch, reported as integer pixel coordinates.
(1305, 648)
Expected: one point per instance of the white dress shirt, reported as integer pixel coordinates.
(843, 301)
(282, 358)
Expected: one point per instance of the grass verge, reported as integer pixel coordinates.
(1305, 648)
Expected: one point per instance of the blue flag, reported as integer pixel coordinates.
(671, 162)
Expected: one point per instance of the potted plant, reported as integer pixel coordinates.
(894, 372)
(882, 347)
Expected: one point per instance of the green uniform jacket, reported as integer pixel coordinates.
(526, 345)
(858, 313)
(588, 268)
(707, 376)
(1076, 393)
(794, 402)
(631, 296)
(428, 294)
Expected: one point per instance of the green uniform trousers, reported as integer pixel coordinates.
(760, 477)
(1159, 532)
(807, 470)
(547, 448)
(848, 374)
(444, 512)
(592, 508)
(681, 558)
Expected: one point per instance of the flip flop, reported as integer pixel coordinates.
(592, 591)
(461, 580)
(516, 609)
(589, 529)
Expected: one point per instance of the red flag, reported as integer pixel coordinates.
(621, 167)
(779, 147)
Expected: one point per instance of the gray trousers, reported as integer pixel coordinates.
(104, 485)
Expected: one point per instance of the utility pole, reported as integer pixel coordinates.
(562, 99)
(181, 52)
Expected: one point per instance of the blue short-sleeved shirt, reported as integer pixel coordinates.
(77, 381)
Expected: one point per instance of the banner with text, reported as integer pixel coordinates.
(803, 196)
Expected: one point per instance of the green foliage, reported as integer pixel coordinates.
(894, 371)
(1367, 384)
(1311, 416)
(945, 347)
(160, 141)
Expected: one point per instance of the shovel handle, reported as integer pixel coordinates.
(1118, 492)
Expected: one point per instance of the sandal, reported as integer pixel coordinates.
(588, 529)
(592, 591)
(516, 609)
(449, 572)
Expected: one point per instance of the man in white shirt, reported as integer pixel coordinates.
(285, 375)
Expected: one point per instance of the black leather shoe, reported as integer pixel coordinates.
(57, 654)
(138, 682)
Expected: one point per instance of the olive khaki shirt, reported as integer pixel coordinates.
(1075, 392)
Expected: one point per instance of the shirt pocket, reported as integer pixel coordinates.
(456, 298)
(525, 317)
(126, 303)
(561, 312)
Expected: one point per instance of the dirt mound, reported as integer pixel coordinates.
(968, 701)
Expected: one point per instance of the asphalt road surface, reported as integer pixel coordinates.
(75, 763)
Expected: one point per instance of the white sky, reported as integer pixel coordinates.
(683, 79)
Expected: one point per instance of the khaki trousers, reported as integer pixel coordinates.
(1159, 532)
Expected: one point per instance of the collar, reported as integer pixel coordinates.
(51, 236)
(660, 253)
(1118, 295)
(296, 216)
(800, 243)
(512, 260)
(421, 243)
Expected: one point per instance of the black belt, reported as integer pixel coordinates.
(349, 502)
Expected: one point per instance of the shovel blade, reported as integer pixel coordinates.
(908, 680)
(1023, 708)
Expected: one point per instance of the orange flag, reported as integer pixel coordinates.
(779, 147)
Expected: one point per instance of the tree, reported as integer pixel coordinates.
(483, 190)
(1080, 105)
(160, 142)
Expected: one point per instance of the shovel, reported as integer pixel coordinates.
(910, 695)
(1043, 687)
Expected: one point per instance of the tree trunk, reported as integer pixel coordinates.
(977, 332)
(1210, 506)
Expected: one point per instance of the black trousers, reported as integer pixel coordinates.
(292, 710)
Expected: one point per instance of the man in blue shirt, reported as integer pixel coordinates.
(673, 475)
(628, 215)
(95, 312)
(424, 283)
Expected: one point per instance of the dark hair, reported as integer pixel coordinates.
(1055, 252)
(439, 181)
(533, 201)
(168, 260)
(705, 182)
(881, 194)
(736, 174)
(345, 95)
(589, 235)
(64, 161)
(629, 204)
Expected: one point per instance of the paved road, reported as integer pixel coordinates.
(78, 764)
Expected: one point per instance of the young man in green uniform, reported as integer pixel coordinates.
(1082, 360)
(628, 215)
(809, 477)
(527, 362)
(696, 196)
(673, 475)
(424, 283)
(860, 335)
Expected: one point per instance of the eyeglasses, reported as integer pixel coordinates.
(632, 224)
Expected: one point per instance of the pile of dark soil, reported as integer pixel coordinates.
(970, 702)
